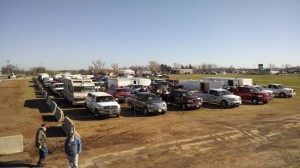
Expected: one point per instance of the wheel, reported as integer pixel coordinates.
(183, 107)
(224, 104)
(130, 106)
(146, 112)
(255, 100)
(282, 95)
(266, 102)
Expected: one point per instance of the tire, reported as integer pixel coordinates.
(131, 107)
(255, 100)
(146, 112)
(265, 102)
(224, 104)
(282, 95)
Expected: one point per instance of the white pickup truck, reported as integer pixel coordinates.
(220, 97)
(281, 91)
(102, 104)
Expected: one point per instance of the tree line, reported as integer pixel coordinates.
(98, 67)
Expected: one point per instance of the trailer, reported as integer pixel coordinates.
(118, 82)
(76, 90)
(231, 82)
(140, 81)
(200, 85)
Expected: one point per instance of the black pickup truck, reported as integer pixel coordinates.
(183, 98)
(147, 102)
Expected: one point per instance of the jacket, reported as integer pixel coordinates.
(40, 138)
(72, 148)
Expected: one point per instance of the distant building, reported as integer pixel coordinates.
(182, 71)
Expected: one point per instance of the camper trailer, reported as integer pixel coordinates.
(230, 82)
(200, 85)
(118, 82)
(140, 81)
(76, 90)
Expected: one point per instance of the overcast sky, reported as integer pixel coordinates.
(70, 34)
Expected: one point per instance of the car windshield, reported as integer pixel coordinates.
(254, 90)
(224, 92)
(281, 86)
(259, 88)
(104, 99)
(151, 97)
(84, 89)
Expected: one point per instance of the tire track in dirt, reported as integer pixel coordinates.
(198, 144)
(190, 146)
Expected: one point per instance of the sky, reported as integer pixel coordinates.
(70, 34)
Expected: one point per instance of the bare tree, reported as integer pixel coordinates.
(272, 66)
(97, 67)
(154, 66)
(137, 68)
(115, 67)
(176, 65)
(10, 68)
(287, 66)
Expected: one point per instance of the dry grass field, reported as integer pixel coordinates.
(247, 136)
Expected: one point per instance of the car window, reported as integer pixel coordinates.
(104, 99)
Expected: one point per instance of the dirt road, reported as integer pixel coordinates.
(246, 136)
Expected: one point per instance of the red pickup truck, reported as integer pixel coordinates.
(120, 94)
(252, 94)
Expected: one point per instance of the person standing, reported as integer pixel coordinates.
(73, 149)
(40, 143)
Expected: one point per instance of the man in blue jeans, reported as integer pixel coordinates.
(73, 148)
(40, 143)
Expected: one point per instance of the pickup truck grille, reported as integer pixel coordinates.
(110, 107)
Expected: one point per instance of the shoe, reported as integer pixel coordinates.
(40, 165)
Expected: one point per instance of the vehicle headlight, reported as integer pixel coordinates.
(288, 91)
(260, 96)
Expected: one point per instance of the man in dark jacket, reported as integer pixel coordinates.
(40, 143)
(73, 148)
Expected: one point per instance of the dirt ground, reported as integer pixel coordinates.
(247, 136)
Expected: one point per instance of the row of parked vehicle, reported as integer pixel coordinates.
(155, 96)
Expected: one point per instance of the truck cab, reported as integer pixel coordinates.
(250, 93)
(183, 98)
(220, 97)
(281, 90)
(102, 104)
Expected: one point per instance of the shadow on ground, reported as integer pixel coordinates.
(39, 104)
(55, 131)
(16, 163)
